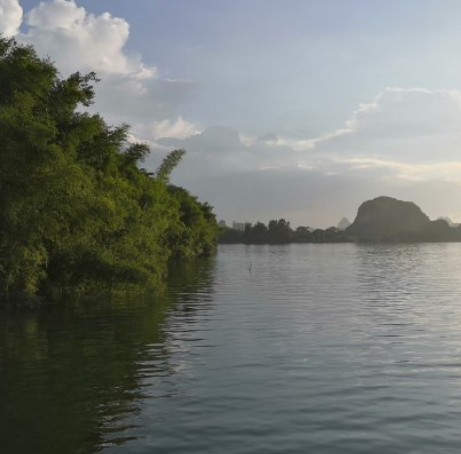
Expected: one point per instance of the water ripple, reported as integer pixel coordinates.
(321, 348)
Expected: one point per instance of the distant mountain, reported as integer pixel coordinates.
(387, 219)
(344, 223)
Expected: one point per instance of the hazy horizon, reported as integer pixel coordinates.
(298, 109)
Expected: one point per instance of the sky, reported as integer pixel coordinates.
(295, 109)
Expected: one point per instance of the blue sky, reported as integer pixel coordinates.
(295, 108)
(298, 65)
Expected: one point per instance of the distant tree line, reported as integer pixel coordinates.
(280, 232)
(76, 209)
(438, 231)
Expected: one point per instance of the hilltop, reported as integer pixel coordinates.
(387, 219)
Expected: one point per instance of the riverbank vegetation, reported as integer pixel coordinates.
(76, 209)
(381, 220)
(280, 232)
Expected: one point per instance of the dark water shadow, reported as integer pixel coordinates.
(71, 377)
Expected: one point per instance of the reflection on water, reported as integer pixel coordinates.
(69, 378)
(321, 348)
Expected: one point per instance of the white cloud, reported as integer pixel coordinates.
(127, 99)
(407, 123)
(413, 125)
(407, 134)
(77, 40)
(221, 150)
(178, 129)
(444, 171)
(10, 17)
(130, 91)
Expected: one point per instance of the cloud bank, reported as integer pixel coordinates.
(404, 143)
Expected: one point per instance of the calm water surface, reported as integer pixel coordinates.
(321, 349)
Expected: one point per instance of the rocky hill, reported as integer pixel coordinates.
(387, 219)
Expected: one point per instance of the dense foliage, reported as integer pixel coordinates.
(75, 208)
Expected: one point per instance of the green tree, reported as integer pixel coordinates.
(302, 235)
(279, 231)
(169, 163)
(195, 232)
(257, 234)
(75, 209)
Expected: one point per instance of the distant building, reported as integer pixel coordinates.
(344, 223)
(222, 223)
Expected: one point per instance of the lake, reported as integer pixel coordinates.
(316, 349)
